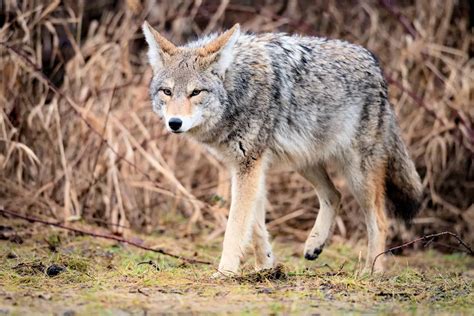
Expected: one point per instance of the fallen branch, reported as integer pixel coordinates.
(427, 238)
(104, 236)
(151, 263)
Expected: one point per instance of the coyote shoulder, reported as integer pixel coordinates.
(262, 100)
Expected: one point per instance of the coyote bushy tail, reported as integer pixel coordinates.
(403, 184)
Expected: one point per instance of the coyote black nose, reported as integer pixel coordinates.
(175, 123)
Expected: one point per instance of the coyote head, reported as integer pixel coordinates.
(187, 89)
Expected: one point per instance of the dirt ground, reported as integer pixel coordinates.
(46, 270)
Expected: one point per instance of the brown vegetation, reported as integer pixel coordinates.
(78, 138)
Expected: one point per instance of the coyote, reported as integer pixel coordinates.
(257, 101)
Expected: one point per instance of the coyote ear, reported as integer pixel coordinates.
(157, 46)
(220, 50)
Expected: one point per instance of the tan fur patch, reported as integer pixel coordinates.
(165, 45)
(218, 43)
(182, 107)
(377, 187)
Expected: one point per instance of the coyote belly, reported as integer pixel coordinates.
(269, 99)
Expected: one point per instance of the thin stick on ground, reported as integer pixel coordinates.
(427, 238)
(104, 236)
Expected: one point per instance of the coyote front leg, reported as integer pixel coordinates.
(247, 186)
(261, 242)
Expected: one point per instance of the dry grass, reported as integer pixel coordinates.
(78, 139)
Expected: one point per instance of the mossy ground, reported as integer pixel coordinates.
(104, 277)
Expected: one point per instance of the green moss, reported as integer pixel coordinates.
(105, 277)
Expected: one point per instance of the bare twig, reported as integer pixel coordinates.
(151, 263)
(104, 236)
(407, 24)
(427, 238)
(215, 18)
(142, 292)
(420, 102)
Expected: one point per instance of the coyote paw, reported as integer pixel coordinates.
(221, 275)
(312, 250)
(265, 262)
(377, 270)
(313, 254)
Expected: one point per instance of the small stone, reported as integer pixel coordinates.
(12, 255)
(46, 297)
(16, 239)
(54, 270)
(265, 291)
(69, 312)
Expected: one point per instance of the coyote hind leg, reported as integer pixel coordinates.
(369, 190)
(376, 220)
(329, 200)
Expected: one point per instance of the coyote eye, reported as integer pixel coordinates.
(195, 92)
(166, 91)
